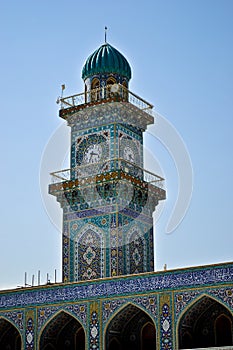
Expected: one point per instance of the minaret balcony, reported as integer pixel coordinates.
(101, 95)
(111, 171)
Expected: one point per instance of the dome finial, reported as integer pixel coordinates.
(105, 34)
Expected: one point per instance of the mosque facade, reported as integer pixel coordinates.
(110, 297)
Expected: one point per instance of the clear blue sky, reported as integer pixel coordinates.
(181, 54)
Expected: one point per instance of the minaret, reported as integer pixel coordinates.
(107, 197)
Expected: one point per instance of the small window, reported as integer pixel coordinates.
(111, 81)
(95, 90)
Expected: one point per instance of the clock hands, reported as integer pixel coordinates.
(130, 157)
(93, 154)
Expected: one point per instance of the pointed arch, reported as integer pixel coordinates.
(9, 335)
(61, 331)
(89, 253)
(223, 330)
(198, 327)
(148, 336)
(126, 329)
(111, 81)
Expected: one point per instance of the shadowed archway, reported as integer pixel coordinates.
(131, 329)
(207, 323)
(10, 338)
(63, 332)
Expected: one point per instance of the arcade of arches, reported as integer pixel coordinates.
(205, 324)
(130, 329)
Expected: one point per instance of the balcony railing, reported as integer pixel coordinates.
(115, 92)
(112, 165)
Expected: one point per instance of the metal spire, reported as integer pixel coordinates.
(105, 34)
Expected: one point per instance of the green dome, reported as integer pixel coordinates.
(106, 59)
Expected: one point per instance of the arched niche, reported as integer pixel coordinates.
(206, 323)
(130, 329)
(148, 337)
(223, 330)
(10, 338)
(63, 331)
(89, 253)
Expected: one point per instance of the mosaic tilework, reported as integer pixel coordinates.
(15, 317)
(166, 328)
(79, 311)
(146, 283)
(109, 307)
(87, 247)
(148, 303)
(128, 255)
(94, 331)
(165, 323)
(65, 252)
(116, 244)
(223, 294)
(85, 117)
(130, 148)
(139, 247)
(152, 293)
(102, 138)
(132, 130)
(89, 254)
(30, 334)
(43, 314)
(183, 299)
(87, 149)
(136, 252)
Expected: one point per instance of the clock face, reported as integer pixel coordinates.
(92, 154)
(128, 154)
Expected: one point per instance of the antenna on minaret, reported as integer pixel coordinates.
(105, 34)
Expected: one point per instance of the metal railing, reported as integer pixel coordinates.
(111, 165)
(115, 92)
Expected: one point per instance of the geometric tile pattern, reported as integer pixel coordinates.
(182, 299)
(94, 331)
(223, 294)
(89, 254)
(136, 252)
(146, 283)
(16, 318)
(77, 310)
(30, 334)
(100, 152)
(144, 291)
(166, 329)
(148, 303)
